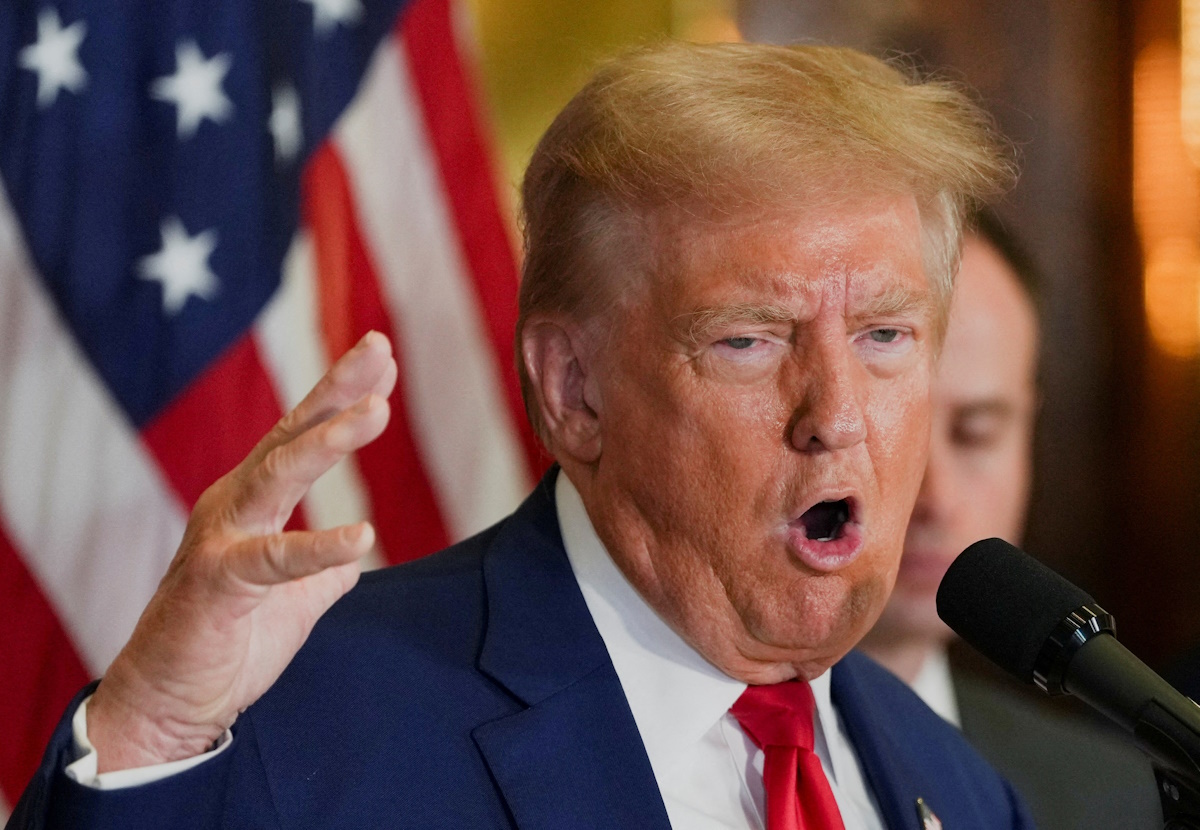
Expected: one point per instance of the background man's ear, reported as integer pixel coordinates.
(558, 361)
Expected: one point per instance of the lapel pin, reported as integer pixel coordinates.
(929, 821)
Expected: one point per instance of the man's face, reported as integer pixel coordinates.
(764, 411)
(977, 482)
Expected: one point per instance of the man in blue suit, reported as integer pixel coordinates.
(738, 266)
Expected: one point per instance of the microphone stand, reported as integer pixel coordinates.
(1165, 724)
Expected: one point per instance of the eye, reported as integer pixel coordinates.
(979, 430)
(888, 339)
(746, 350)
(888, 348)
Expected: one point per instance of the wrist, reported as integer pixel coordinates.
(127, 733)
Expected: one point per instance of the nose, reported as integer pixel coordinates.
(830, 416)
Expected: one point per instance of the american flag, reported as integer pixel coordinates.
(201, 204)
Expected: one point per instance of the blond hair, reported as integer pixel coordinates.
(719, 130)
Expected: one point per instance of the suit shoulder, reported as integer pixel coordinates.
(906, 717)
(909, 751)
(452, 571)
(432, 605)
(897, 694)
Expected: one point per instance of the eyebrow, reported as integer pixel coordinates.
(991, 407)
(899, 300)
(695, 326)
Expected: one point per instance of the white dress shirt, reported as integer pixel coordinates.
(84, 769)
(708, 770)
(934, 685)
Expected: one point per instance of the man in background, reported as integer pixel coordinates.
(976, 485)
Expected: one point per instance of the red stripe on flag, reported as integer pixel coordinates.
(214, 424)
(450, 113)
(39, 672)
(403, 506)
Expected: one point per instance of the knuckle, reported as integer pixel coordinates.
(285, 426)
(322, 546)
(276, 463)
(209, 553)
(211, 499)
(335, 438)
(275, 552)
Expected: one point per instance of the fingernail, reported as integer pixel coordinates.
(362, 534)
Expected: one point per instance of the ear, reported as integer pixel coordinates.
(558, 360)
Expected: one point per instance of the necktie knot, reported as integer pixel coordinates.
(777, 715)
(779, 719)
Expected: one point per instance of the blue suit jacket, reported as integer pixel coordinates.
(471, 689)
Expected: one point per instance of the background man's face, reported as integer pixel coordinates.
(768, 367)
(977, 481)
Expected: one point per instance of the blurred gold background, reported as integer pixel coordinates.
(534, 55)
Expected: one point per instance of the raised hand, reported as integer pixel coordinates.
(242, 595)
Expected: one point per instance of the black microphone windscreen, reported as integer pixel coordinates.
(1005, 603)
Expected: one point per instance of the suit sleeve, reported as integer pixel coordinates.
(197, 799)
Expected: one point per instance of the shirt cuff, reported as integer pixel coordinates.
(83, 769)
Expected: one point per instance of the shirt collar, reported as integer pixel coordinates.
(676, 696)
(934, 685)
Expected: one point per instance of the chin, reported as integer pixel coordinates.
(818, 628)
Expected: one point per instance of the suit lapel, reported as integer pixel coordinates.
(574, 757)
(896, 792)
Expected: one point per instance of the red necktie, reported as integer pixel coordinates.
(779, 719)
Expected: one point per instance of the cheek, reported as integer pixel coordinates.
(675, 419)
(684, 453)
(900, 434)
(1000, 494)
(899, 425)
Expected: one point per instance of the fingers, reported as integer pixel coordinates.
(241, 595)
(387, 382)
(270, 490)
(366, 369)
(284, 557)
(344, 411)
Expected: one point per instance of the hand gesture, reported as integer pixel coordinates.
(241, 594)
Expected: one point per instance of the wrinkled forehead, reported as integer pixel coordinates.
(874, 231)
(645, 250)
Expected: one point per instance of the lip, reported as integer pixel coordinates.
(827, 557)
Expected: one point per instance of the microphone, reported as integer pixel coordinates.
(1042, 629)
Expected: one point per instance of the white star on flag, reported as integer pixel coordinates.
(285, 123)
(327, 14)
(195, 88)
(55, 57)
(181, 265)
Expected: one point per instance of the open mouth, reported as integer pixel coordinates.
(826, 521)
(829, 535)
